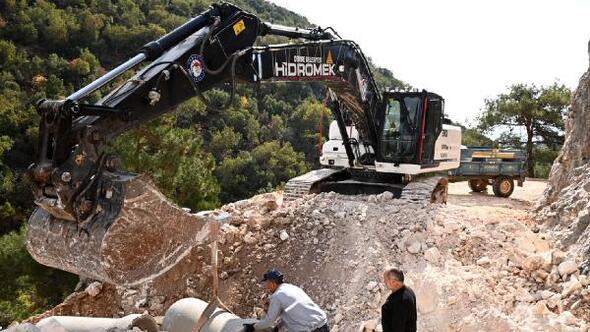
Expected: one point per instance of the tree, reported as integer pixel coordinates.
(536, 112)
(175, 158)
(473, 137)
(269, 165)
(224, 143)
(27, 287)
(304, 126)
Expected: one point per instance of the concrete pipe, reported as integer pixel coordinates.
(87, 324)
(183, 315)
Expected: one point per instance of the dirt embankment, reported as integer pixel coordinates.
(477, 263)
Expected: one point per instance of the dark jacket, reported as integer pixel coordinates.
(398, 313)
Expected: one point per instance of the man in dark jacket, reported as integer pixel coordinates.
(398, 313)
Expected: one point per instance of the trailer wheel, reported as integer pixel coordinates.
(478, 185)
(503, 186)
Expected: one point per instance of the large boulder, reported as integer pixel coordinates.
(566, 201)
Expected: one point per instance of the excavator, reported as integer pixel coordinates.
(96, 220)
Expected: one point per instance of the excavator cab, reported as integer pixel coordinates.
(412, 121)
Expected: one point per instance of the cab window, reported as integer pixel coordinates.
(392, 119)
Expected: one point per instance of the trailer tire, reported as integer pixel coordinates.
(478, 185)
(503, 186)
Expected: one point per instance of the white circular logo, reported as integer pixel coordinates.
(195, 67)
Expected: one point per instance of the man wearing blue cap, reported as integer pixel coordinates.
(298, 313)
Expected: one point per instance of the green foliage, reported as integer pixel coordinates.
(473, 137)
(537, 112)
(544, 158)
(224, 143)
(26, 287)
(176, 160)
(303, 128)
(267, 166)
(385, 80)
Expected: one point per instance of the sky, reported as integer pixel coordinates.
(466, 51)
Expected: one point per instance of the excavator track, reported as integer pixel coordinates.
(433, 189)
(304, 184)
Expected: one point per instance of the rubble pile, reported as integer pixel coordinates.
(473, 267)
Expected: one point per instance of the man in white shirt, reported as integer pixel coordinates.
(298, 313)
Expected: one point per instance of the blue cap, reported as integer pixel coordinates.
(273, 274)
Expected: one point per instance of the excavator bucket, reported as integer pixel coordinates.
(137, 237)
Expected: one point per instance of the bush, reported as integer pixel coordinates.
(26, 287)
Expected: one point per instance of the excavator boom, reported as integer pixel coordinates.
(96, 220)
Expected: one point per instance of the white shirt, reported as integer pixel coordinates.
(297, 311)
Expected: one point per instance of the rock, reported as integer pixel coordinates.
(271, 205)
(385, 196)
(546, 294)
(414, 247)
(567, 318)
(451, 226)
(250, 238)
(254, 219)
(224, 275)
(484, 261)
(565, 202)
(536, 262)
(557, 256)
(540, 309)
(540, 275)
(432, 255)
(523, 295)
(94, 288)
(566, 268)
(570, 287)
(372, 286)
(554, 301)
(283, 235)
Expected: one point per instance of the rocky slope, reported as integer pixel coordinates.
(566, 203)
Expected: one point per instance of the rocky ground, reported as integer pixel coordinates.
(479, 263)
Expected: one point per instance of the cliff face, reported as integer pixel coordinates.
(576, 149)
(566, 202)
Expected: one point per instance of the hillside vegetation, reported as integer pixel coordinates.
(199, 157)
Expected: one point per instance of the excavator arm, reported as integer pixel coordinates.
(96, 220)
